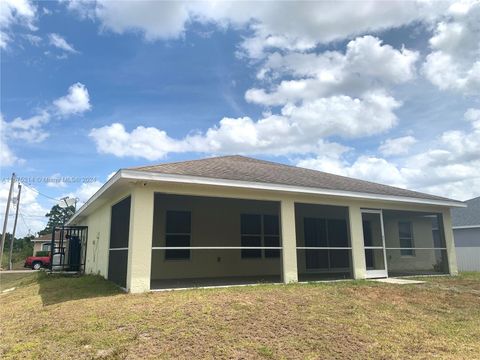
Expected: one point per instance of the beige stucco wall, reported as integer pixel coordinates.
(98, 241)
(422, 260)
(37, 246)
(214, 222)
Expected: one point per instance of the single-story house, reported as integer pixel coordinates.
(237, 220)
(466, 231)
(44, 242)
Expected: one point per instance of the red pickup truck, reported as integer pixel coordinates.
(37, 262)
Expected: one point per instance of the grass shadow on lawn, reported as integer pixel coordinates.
(58, 288)
(13, 280)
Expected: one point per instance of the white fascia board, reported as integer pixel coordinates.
(105, 187)
(466, 227)
(185, 179)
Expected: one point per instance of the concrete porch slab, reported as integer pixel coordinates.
(399, 281)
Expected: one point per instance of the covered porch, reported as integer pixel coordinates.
(184, 240)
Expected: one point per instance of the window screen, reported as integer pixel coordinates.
(177, 234)
(406, 238)
(271, 235)
(251, 228)
(260, 230)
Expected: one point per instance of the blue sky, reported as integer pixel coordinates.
(388, 92)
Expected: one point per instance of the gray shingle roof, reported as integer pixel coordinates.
(467, 216)
(253, 170)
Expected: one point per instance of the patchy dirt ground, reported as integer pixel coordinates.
(87, 317)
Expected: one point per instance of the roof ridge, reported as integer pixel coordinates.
(472, 199)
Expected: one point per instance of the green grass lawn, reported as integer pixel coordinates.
(88, 317)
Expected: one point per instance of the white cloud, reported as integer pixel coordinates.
(397, 146)
(7, 157)
(454, 63)
(156, 19)
(451, 167)
(59, 42)
(4, 39)
(344, 116)
(56, 181)
(21, 12)
(304, 26)
(30, 130)
(32, 39)
(77, 101)
(85, 192)
(149, 143)
(367, 64)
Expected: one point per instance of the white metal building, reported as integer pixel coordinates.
(466, 231)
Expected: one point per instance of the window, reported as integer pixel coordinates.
(271, 235)
(258, 229)
(325, 233)
(177, 234)
(46, 247)
(406, 238)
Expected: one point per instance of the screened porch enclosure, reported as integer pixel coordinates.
(414, 243)
(323, 242)
(207, 241)
(210, 241)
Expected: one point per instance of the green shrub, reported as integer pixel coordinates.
(42, 253)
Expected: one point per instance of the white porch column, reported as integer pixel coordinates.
(289, 242)
(140, 240)
(356, 239)
(449, 242)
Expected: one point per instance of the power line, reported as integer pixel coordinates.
(25, 223)
(30, 216)
(38, 192)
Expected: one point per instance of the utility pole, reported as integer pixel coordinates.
(5, 221)
(10, 265)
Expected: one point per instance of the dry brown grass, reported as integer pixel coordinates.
(87, 317)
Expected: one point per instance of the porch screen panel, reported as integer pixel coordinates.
(330, 234)
(414, 243)
(338, 237)
(316, 236)
(251, 235)
(260, 231)
(119, 235)
(177, 234)
(271, 235)
(212, 240)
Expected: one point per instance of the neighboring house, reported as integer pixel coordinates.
(236, 220)
(466, 231)
(44, 242)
